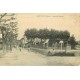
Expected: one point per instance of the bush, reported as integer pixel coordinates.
(60, 54)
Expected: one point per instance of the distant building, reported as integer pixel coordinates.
(46, 43)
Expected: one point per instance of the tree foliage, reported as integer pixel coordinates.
(72, 41)
(47, 34)
(8, 27)
(52, 35)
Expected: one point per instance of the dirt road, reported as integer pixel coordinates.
(28, 58)
(23, 57)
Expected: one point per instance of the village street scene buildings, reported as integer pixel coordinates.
(39, 39)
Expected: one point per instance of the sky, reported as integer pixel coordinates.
(67, 21)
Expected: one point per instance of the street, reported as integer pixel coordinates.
(29, 58)
(22, 58)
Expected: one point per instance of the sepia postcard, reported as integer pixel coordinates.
(39, 39)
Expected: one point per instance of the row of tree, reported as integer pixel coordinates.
(8, 29)
(52, 35)
(47, 34)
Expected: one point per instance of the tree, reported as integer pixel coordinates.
(31, 33)
(8, 26)
(43, 33)
(56, 36)
(52, 35)
(72, 42)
